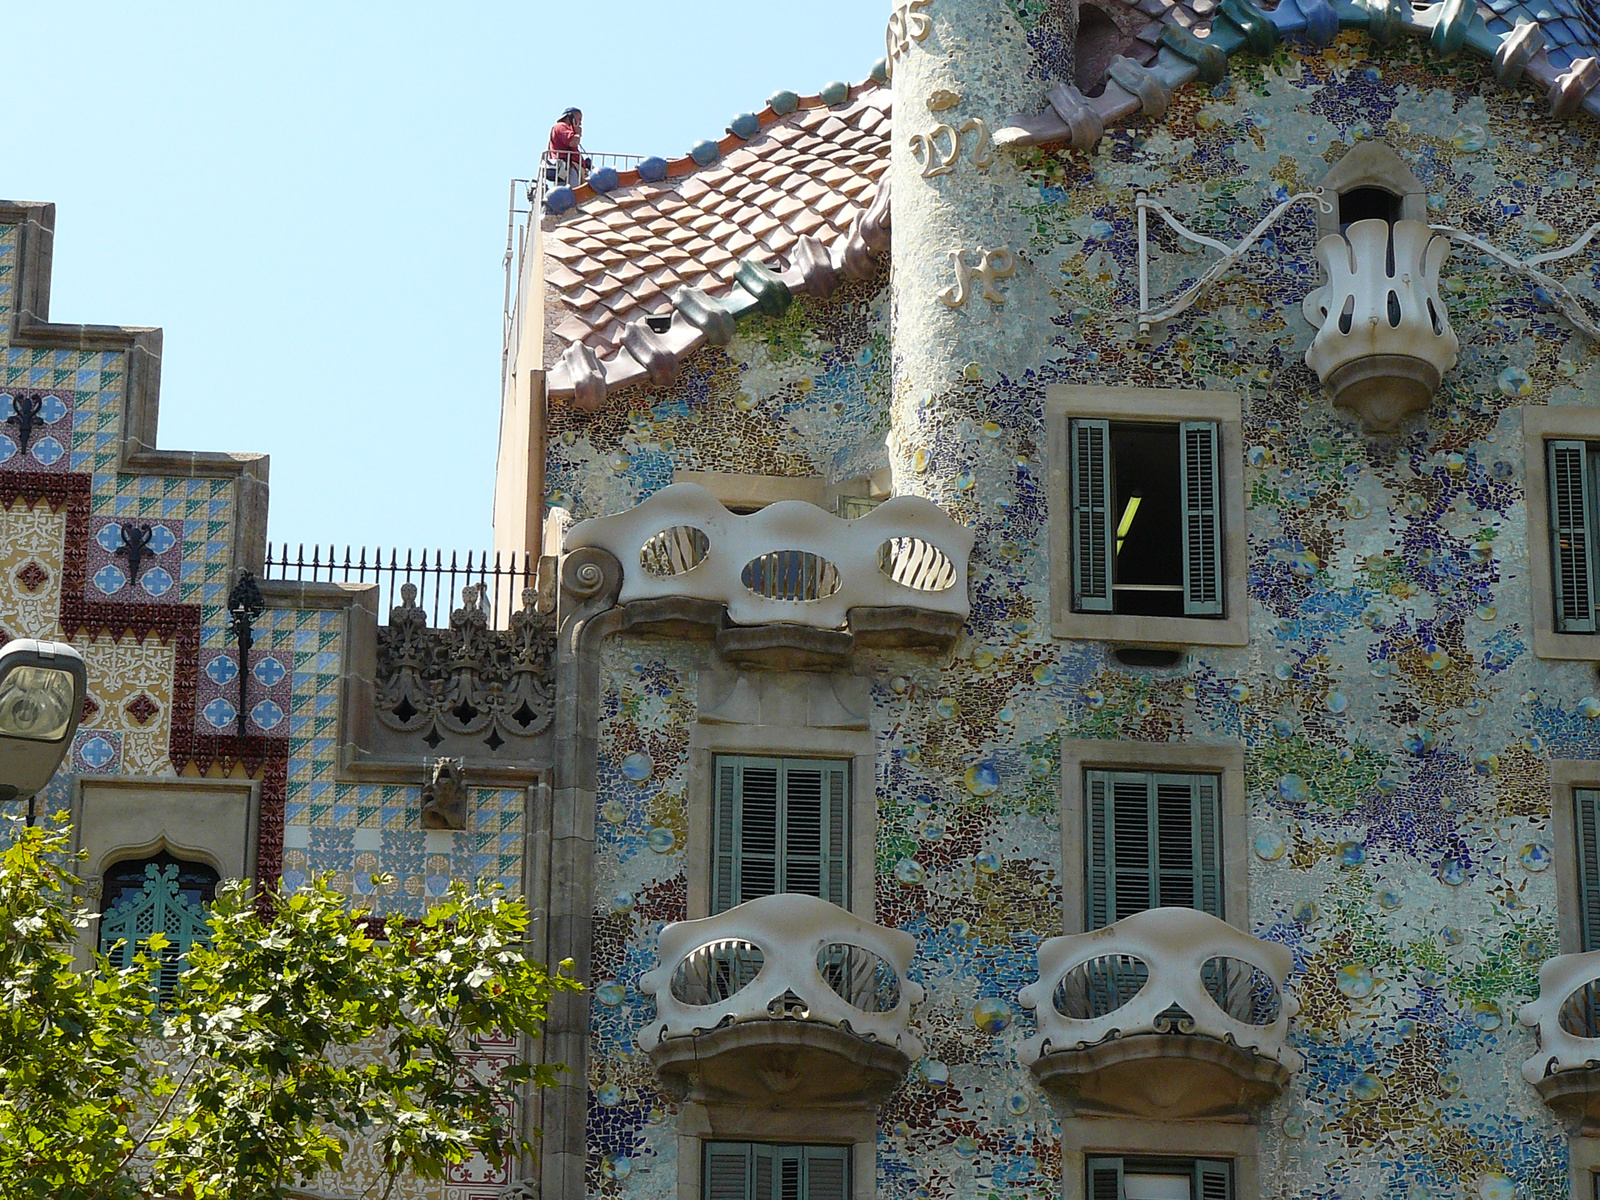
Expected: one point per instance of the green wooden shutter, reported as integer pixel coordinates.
(725, 864)
(1202, 518)
(1097, 860)
(1153, 840)
(759, 817)
(791, 1163)
(764, 1172)
(1092, 531)
(1571, 537)
(728, 1171)
(1587, 802)
(159, 908)
(836, 844)
(781, 825)
(1213, 1180)
(827, 1173)
(1105, 1179)
(1131, 844)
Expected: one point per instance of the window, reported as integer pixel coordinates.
(780, 826)
(1572, 491)
(1159, 1179)
(751, 1171)
(1147, 521)
(1146, 518)
(1368, 204)
(1154, 840)
(1586, 802)
(161, 894)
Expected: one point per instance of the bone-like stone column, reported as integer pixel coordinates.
(969, 303)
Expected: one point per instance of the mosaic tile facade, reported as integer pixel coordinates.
(1397, 727)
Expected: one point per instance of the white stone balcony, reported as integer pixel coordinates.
(1565, 1070)
(784, 1000)
(1167, 1014)
(896, 576)
(1383, 334)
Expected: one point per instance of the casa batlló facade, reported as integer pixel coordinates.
(1061, 659)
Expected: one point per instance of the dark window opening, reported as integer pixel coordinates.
(163, 895)
(1099, 41)
(1147, 656)
(1368, 204)
(1147, 521)
(659, 324)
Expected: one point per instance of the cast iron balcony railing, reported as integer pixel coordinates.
(783, 999)
(1167, 1013)
(1565, 1070)
(903, 564)
(1383, 334)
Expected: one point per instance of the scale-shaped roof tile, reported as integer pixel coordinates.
(708, 244)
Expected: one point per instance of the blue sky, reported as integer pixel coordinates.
(311, 201)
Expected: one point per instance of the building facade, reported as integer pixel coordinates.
(1129, 595)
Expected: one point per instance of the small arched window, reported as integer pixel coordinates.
(1368, 204)
(140, 897)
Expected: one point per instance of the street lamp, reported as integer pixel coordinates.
(42, 685)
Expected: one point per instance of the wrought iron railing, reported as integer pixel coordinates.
(499, 578)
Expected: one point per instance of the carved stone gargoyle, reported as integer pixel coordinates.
(444, 795)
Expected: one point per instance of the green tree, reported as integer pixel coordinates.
(299, 1029)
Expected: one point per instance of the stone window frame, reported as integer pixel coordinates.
(184, 823)
(1063, 403)
(789, 735)
(1566, 776)
(700, 1124)
(1583, 1165)
(1225, 761)
(1371, 164)
(737, 491)
(1083, 1138)
(1541, 424)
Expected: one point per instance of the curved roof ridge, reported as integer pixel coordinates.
(641, 275)
(709, 153)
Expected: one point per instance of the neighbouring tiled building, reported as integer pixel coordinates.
(1062, 655)
(1100, 517)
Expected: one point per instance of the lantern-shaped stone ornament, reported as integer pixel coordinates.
(1383, 335)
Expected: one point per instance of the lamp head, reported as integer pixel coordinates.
(42, 686)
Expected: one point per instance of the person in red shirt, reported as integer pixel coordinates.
(564, 159)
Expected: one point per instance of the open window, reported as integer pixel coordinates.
(1147, 522)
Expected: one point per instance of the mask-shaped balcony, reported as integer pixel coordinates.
(1565, 1070)
(784, 1001)
(1167, 1014)
(790, 585)
(1383, 335)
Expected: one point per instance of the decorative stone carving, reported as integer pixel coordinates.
(1384, 338)
(1168, 1013)
(493, 685)
(444, 796)
(928, 148)
(992, 265)
(908, 23)
(783, 1000)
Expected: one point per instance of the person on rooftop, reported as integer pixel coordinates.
(564, 160)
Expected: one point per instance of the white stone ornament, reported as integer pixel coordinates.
(992, 265)
(790, 931)
(1174, 944)
(1560, 1050)
(790, 561)
(1384, 338)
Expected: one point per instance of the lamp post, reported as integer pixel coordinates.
(244, 607)
(42, 685)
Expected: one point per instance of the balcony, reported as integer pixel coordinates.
(1383, 334)
(1565, 1070)
(790, 586)
(1169, 1014)
(784, 1001)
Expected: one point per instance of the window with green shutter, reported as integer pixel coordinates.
(156, 895)
(1154, 840)
(1572, 533)
(753, 1171)
(1587, 803)
(780, 825)
(1159, 1179)
(1146, 517)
